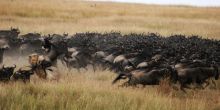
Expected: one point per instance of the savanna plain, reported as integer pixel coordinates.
(91, 90)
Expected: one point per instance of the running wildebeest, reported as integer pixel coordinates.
(54, 50)
(23, 74)
(142, 58)
(10, 37)
(3, 46)
(196, 75)
(31, 43)
(152, 77)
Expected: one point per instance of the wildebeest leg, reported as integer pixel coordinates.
(175, 88)
(182, 86)
(132, 83)
(119, 77)
(78, 69)
(24, 80)
(68, 65)
(45, 73)
(86, 68)
(143, 86)
(125, 84)
(199, 86)
(94, 67)
(134, 86)
(1, 55)
(105, 66)
(63, 62)
(207, 83)
(55, 63)
(69, 68)
(28, 78)
(213, 82)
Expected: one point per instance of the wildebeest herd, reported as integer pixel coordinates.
(144, 59)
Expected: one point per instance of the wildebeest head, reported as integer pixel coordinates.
(7, 72)
(173, 74)
(9, 36)
(47, 44)
(4, 44)
(15, 30)
(121, 76)
(8, 69)
(55, 47)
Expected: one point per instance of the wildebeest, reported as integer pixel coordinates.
(31, 43)
(142, 58)
(78, 58)
(98, 60)
(152, 77)
(196, 75)
(23, 74)
(3, 46)
(54, 50)
(2, 50)
(6, 73)
(10, 38)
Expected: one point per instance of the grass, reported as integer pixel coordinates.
(93, 91)
(59, 16)
(88, 91)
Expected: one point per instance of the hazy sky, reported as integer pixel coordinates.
(174, 2)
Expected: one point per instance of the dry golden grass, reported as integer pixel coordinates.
(58, 16)
(93, 91)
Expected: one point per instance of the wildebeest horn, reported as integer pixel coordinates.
(3, 66)
(49, 37)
